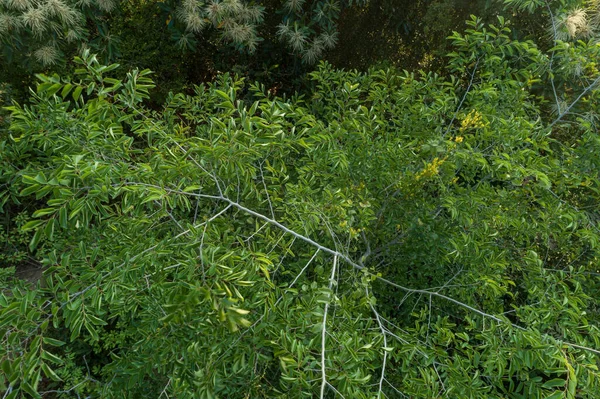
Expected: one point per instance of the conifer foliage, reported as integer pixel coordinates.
(38, 30)
(307, 28)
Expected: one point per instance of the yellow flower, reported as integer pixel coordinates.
(431, 169)
(459, 139)
(473, 120)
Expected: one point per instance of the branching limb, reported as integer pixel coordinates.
(346, 259)
(201, 254)
(262, 177)
(440, 378)
(385, 346)
(8, 391)
(583, 93)
(336, 391)
(164, 391)
(171, 216)
(585, 348)
(324, 330)
(338, 255)
(256, 232)
(395, 389)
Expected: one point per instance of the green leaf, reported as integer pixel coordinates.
(112, 81)
(6, 367)
(30, 190)
(43, 212)
(556, 382)
(66, 90)
(76, 329)
(572, 387)
(52, 341)
(90, 88)
(77, 92)
(25, 386)
(223, 95)
(40, 178)
(63, 217)
(53, 89)
(51, 357)
(50, 373)
(36, 239)
(49, 230)
(31, 225)
(96, 320)
(92, 330)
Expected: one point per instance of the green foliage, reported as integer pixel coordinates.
(408, 34)
(387, 233)
(14, 242)
(39, 31)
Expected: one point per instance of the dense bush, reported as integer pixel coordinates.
(385, 233)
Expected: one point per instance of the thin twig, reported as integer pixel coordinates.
(262, 177)
(464, 97)
(385, 346)
(324, 330)
(583, 93)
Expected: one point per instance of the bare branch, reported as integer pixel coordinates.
(583, 93)
(385, 346)
(324, 330)
(596, 351)
(262, 177)
(335, 390)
